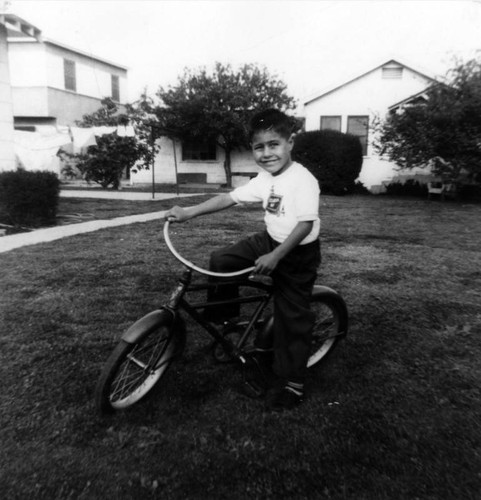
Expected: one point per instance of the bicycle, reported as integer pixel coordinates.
(152, 343)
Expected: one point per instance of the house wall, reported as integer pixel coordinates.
(7, 156)
(38, 86)
(370, 95)
(93, 76)
(164, 171)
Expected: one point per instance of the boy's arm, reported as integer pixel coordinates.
(265, 264)
(180, 214)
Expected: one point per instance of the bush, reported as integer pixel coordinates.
(334, 158)
(105, 162)
(470, 192)
(359, 188)
(28, 198)
(408, 188)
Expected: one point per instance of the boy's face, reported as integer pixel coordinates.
(272, 151)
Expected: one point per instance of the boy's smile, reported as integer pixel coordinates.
(272, 151)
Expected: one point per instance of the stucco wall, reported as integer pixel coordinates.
(7, 156)
(93, 77)
(27, 64)
(38, 87)
(30, 101)
(165, 166)
(370, 95)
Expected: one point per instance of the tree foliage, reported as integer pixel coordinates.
(218, 105)
(334, 158)
(444, 131)
(105, 162)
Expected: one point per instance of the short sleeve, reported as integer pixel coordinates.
(248, 193)
(307, 198)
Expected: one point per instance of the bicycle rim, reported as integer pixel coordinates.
(141, 369)
(326, 330)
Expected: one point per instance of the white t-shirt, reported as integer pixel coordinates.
(288, 198)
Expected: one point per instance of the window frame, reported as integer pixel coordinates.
(199, 150)
(70, 75)
(331, 116)
(364, 139)
(115, 87)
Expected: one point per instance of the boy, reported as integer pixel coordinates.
(288, 250)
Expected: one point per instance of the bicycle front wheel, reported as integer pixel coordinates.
(330, 325)
(133, 369)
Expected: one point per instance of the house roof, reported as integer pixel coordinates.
(358, 77)
(21, 31)
(86, 54)
(420, 96)
(16, 26)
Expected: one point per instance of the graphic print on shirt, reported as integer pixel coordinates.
(274, 203)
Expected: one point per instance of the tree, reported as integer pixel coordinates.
(334, 158)
(444, 131)
(105, 162)
(217, 106)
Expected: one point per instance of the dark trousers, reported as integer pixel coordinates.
(293, 281)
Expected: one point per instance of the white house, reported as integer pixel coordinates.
(350, 107)
(53, 84)
(353, 106)
(9, 24)
(45, 86)
(195, 162)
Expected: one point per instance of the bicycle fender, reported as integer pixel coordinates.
(332, 295)
(149, 322)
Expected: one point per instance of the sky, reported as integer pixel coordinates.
(309, 44)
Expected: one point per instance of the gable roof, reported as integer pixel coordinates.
(389, 61)
(412, 99)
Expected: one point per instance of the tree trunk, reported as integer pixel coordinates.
(227, 168)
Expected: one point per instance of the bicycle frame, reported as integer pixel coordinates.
(178, 302)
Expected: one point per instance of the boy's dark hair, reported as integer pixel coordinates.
(271, 119)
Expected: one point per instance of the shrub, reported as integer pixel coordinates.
(359, 188)
(408, 188)
(28, 198)
(470, 192)
(105, 162)
(334, 158)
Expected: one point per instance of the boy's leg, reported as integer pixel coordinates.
(228, 259)
(293, 319)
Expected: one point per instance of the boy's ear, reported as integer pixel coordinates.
(291, 140)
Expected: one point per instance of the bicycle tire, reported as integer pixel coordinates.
(329, 327)
(127, 377)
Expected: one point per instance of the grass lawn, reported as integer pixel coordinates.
(394, 414)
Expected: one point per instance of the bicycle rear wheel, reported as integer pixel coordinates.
(133, 369)
(330, 325)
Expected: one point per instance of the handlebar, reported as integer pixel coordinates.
(191, 265)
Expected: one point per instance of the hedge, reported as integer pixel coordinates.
(28, 198)
(334, 158)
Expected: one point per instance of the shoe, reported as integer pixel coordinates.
(284, 399)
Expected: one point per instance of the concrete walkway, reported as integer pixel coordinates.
(13, 241)
(121, 195)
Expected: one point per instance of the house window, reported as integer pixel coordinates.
(359, 126)
(392, 72)
(199, 150)
(331, 123)
(115, 88)
(69, 75)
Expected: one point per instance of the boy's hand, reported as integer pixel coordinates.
(176, 214)
(266, 263)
